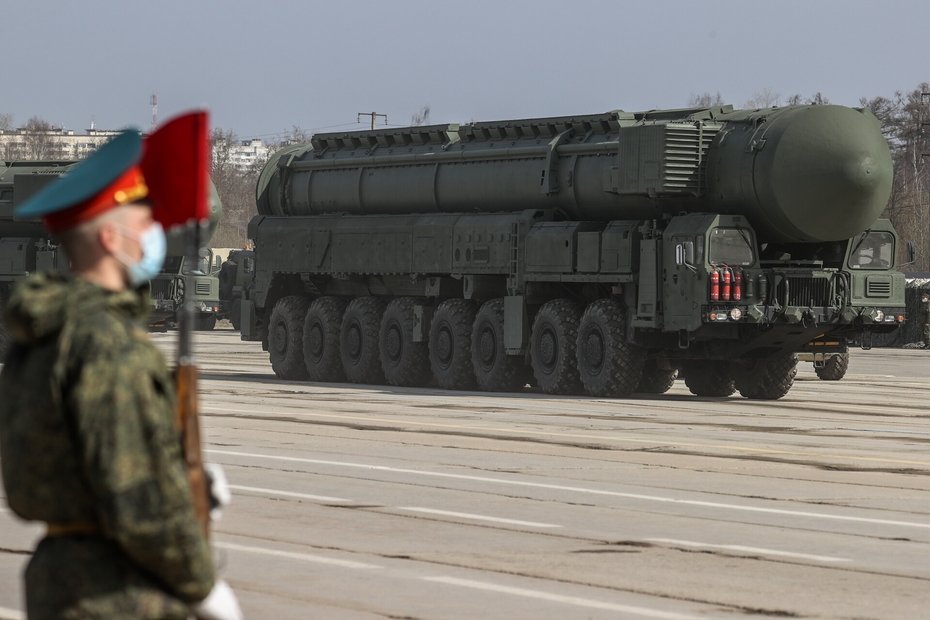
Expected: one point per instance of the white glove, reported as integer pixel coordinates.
(220, 495)
(220, 604)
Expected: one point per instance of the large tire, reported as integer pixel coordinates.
(553, 347)
(206, 323)
(359, 340)
(450, 344)
(656, 380)
(495, 371)
(834, 368)
(235, 313)
(607, 364)
(404, 362)
(285, 337)
(227, 278)
(322, 330)
(710, 378)
(769, 378)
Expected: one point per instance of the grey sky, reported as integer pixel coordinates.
(263, 67)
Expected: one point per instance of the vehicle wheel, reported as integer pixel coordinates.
(656, 380)
(322, 331)
(359, 338)
(206, 323)
(769, 378)
(450, 344)
(403, 361)
(235, 313)
(495, 371)
(285, 337)
(607, 364)
(834, 368)
(710, 377)
(553, 344)
(227, 278)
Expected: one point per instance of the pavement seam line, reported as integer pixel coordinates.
(597, 437)
(557, 487)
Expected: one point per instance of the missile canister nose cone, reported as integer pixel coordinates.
(824, 173)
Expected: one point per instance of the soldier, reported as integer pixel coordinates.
(87, 431)
(923, 319)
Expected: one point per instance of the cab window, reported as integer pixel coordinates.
(731, 246)
(872, 250)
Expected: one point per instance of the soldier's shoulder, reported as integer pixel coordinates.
(106, 329)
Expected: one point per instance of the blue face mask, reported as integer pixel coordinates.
(154, 246)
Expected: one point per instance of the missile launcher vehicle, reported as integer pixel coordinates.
(599, 254)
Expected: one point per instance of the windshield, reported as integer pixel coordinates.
(172, 265)
(872, 250)
(730, 246)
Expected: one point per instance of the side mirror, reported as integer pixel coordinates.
(684, 254)
(911, 252)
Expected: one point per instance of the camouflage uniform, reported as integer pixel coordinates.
(87, 439)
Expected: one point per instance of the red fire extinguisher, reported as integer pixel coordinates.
(714, 283)
(737, 284)
(725, 289)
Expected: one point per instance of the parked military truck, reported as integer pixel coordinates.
(168, 290)
(26, 247)
(596, 253)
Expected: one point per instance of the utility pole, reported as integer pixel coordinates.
(154, 102)
(373, 116)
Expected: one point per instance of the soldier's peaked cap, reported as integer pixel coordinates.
(169, 170)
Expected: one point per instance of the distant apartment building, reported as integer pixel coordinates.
(54, 143)
(65, 144)
(244, 154)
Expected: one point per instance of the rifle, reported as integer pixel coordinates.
(188, 419)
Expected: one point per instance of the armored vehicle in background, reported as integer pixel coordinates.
(596, 254)
(26, 247)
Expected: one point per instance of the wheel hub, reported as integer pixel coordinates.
(354, 342)
(393, 343)
(315, 340)
(593, 350)
(547, 350)
(280, 339)
(444, 347)
(487, 348)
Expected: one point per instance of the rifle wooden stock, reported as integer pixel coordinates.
(188, 422)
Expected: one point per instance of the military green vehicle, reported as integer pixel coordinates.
(168, 291)
(235, 275)
(596, 254)
(26, 247)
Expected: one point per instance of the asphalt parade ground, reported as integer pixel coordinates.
(374, 502)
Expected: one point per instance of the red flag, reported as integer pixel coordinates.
(176, 167)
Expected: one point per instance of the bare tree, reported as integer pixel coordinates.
(705, 100)
(421, 117)
(815, 99)
(905, 121)
(40, 141)
(236, 187)
(765, 98)
(7, 137)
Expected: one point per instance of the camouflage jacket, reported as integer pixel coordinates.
(87, 436)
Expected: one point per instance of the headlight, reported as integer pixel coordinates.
(736, 314)
(879, 316)
(889, 318)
